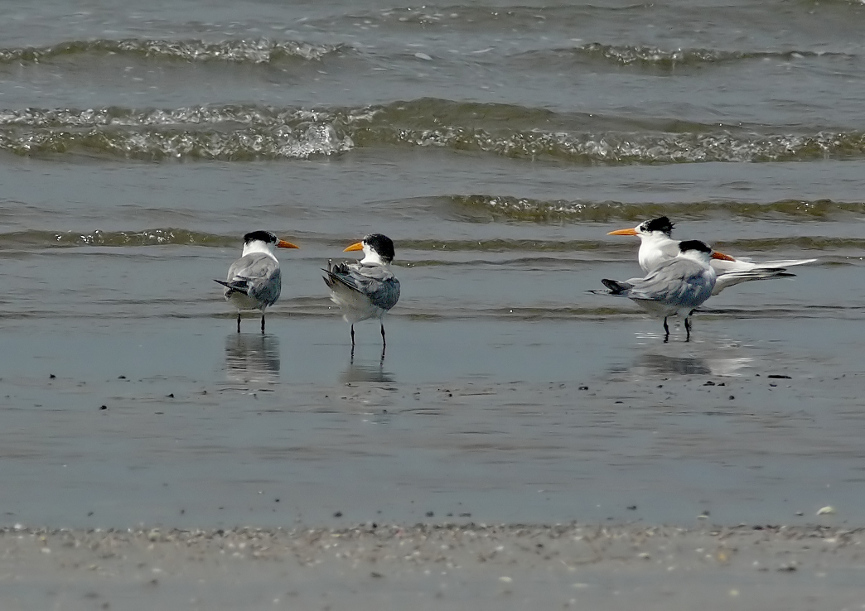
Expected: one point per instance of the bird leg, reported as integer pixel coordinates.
(238, 322)
(383, 340)
(687, 329)
(352, 337)
(381, 362)
(262, 323)
(666, 331)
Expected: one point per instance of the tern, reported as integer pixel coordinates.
(365, 289)
(657, 245)
(254, 280)
(676, 287)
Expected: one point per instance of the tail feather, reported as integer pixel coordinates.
(616, 287)
(240, 286)
(332, 277)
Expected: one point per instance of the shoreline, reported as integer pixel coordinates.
(446, 566)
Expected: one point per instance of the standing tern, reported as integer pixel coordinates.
(676, 287)
(657, 245)
(254, 280)
(367, 288)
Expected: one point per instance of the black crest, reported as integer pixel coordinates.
(381, 244)
(662, 223)
(261, 235)
(694, 245)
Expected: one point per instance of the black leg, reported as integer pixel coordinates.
(687, 329)
(352, 338)
(238, 322)
(383, 348)
(666, 331)
(262, 322)
(383, 340)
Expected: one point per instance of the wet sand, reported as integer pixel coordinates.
(169, 462)
(245, 477)
(386, 566)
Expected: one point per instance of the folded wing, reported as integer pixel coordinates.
(375, 282)
(256, 275)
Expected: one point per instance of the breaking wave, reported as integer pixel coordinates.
(259, 51)
(247, 132)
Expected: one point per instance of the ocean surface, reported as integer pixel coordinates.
(497, 144)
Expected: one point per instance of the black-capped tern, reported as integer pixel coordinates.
(676, 287)
(365, 289)
(657, 245)
(254, 280)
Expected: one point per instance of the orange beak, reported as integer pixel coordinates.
(721, 256)
(284, 244)
(355, 246)
(623, 232)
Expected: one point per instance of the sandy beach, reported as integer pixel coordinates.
(386, 566)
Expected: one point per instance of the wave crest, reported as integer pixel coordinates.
(245, 132)
(258, 51)
(527, 209)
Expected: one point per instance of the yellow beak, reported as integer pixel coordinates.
(623, 232)
(722, 256)
(355, 246)
(284, 244)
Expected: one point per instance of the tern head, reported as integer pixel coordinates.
(658, 226)
(263, 240)
(376, 248)
(698, 250)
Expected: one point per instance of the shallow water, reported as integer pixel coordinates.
(497, 144)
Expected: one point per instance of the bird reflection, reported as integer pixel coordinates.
(719, 361)
(659, 363)
(252, 357)
(366, 370)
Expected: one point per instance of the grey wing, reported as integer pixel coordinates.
(376, 282)
(675, 282)
(727, 280)
(261, 275)
(387, 293)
